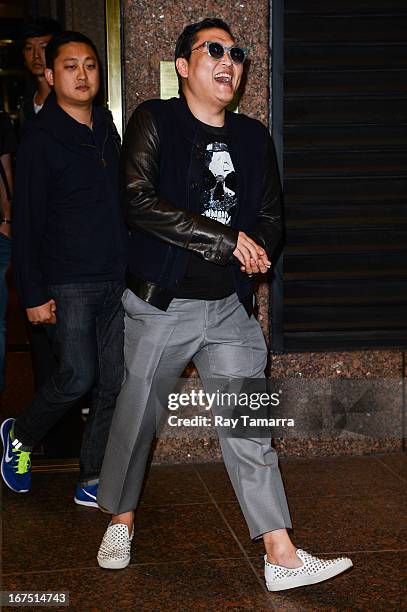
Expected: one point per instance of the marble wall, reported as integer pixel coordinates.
(151, 29)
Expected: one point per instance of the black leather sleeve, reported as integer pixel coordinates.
(268, 229)
(146, 211)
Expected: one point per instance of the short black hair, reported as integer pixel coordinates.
(56, 42)
(188, 36)
(40, 26)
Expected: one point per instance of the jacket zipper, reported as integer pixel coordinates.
(102, 159)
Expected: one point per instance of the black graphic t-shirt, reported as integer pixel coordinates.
(218, 200)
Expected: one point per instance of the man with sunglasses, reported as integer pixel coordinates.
(202, 203)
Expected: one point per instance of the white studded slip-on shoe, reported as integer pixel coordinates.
(114, 551)
(313, 570)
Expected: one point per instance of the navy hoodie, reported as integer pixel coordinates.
(67, 221)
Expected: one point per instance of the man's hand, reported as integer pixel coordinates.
(252, 256)
(43, 314)
(5, 228)
(261, 267)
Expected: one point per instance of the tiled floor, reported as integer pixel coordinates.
(191, 549)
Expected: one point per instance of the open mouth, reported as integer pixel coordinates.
(223, 77)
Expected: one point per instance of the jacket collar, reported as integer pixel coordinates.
(54, 119)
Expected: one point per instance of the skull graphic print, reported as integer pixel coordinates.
(218, 195)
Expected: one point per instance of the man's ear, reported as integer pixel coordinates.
(49, 76)
(182, 67)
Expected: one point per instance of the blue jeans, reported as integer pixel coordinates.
(5, 253)
(88, 343)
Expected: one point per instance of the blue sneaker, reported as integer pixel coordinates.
(86, 496)
(15, 463)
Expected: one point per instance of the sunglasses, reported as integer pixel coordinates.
(217, 51)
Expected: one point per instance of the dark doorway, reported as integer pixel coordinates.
(339, 113)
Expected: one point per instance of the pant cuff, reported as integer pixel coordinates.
(87, 482)
(258, 534)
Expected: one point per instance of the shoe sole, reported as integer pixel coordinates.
(88, 504)
(326, 574)
(114, 565)
(2, 463)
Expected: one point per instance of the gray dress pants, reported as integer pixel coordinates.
(222, 342)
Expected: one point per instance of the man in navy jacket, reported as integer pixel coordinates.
(202, 203)
(68, 258)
